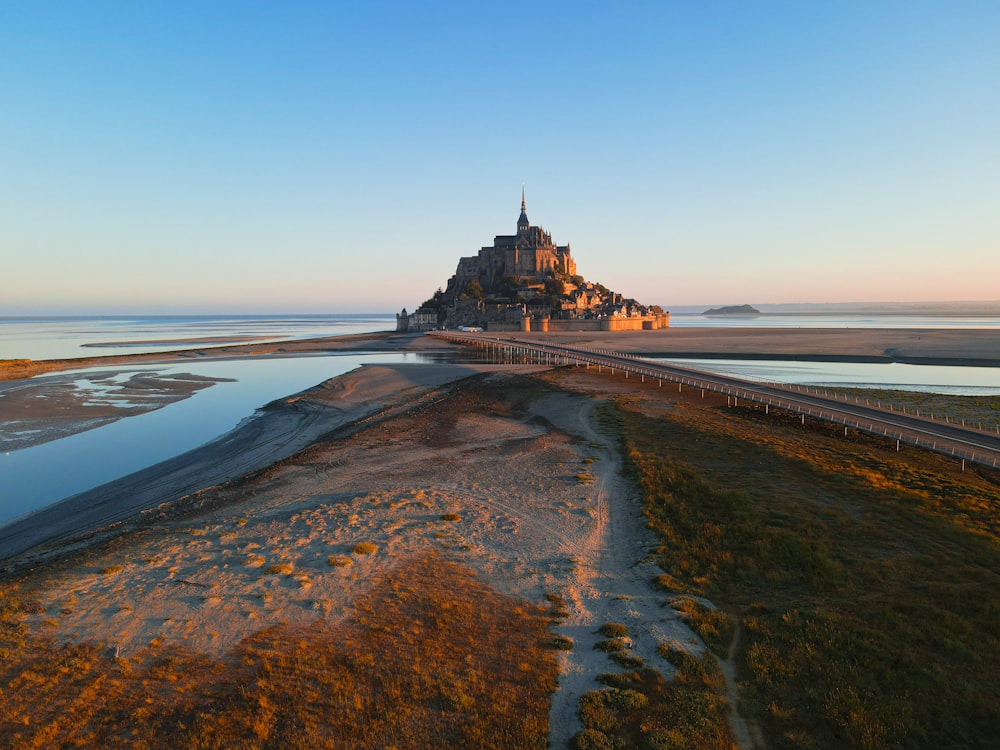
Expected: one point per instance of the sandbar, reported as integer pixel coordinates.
(42, 409)
(280, 429)
(932, 346)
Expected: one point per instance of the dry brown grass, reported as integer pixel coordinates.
(279, 569)
(431, 658)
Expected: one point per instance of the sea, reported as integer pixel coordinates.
(95, 336)
(34, 477)
(834, 320)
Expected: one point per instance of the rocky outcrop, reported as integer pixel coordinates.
(733, 310)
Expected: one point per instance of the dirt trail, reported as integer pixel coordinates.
(746, 734)
(612, 580)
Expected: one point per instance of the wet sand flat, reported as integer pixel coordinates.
(926, 346)
(917, 346)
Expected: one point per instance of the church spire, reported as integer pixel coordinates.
(522, 220)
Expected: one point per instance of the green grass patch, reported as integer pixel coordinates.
(714, 626)
(867, 584)
(973, 411)
(640, 709)
(626, 659)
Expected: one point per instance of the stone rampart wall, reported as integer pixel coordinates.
(645, 323)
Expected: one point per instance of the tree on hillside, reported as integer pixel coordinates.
(555, 287)
(473, 289)
(436, 301)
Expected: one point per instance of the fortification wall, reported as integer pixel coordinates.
(645, 323)
(575, 325)
(505, 327)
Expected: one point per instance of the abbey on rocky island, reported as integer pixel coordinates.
(525, 282)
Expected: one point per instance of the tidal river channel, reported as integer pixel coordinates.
(34, 477)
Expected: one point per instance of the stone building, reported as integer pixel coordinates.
(528, 255)
(526, 277)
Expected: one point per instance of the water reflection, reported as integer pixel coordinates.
(953, 380)
(69, 337)
(833, 320)
(38, 476)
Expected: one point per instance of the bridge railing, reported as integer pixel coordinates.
(631, 365)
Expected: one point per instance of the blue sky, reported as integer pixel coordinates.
(334, 157)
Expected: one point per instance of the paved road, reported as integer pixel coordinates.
(951, 439)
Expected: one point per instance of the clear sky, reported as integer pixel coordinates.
(334, 157)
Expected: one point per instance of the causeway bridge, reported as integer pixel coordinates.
(974, 444)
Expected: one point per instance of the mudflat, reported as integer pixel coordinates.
(917, 346)
(929, 346)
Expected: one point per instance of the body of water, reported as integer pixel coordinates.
(80, 336)
(957, 381)
(834, 320)
(34, 477)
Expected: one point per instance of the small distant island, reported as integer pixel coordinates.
(733, 310)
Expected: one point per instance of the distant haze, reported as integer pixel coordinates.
(333, 157)
(991, 307)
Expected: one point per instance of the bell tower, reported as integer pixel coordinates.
(522, 220)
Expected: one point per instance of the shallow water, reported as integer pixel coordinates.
(38, 476)
(831, 320)
(69, 337)
(954, 380)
